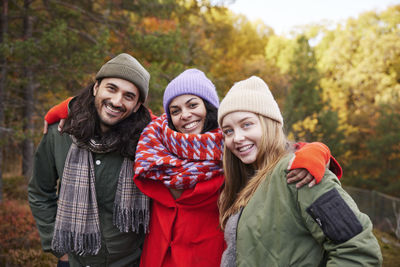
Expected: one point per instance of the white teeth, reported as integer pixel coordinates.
(113, 110)
(191, 125)
(244, 148)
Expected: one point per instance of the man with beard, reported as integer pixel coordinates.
(87, 209)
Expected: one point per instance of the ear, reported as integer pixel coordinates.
(137, 106)
(96, 88)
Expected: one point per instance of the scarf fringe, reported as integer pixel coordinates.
(130, 218)
(81, 244)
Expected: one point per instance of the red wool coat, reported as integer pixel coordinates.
(185, 231)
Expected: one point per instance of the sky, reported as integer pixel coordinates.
(283, 15)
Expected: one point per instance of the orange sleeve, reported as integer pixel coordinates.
(58, 112)
(314, 157)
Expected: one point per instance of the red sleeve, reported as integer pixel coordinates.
(314, 157)
(335, 167)
(58, 112)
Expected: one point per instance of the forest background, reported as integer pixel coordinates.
(338, 85)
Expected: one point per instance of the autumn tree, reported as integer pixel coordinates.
(49, 52)
(360, 66)
(303, 99)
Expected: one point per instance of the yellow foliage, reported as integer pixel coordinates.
(308, 125)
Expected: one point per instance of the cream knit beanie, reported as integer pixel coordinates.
(252, 95)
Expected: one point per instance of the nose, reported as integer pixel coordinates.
(116, 100)
(238, 137)
(185, 114)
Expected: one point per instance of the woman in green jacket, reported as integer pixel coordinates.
(268, 222)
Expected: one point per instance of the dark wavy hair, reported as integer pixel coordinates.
(83, 123)
(211, 121)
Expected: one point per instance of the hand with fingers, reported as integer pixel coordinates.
(302, 176)
(309, 164)
(59, 128)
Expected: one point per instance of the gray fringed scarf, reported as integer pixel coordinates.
(77, 226)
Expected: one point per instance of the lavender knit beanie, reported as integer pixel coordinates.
(191, 82)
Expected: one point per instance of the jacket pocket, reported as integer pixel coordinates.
(335, 217)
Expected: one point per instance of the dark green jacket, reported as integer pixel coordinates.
(280, 226)
(42, 194)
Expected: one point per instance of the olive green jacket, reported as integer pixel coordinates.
(42, 194)
(318, 226)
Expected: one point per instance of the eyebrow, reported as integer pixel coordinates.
(112, 84)
(245, 118)
(175, 106)
(193, 98)
(116, 86)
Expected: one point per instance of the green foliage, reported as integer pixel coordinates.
(330, 91)
(307, 116)
(148, 8)
(383, 152)
(303, 99)
(329, 131)
(359, 67)
(343, 90)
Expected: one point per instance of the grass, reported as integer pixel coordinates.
(390, 247)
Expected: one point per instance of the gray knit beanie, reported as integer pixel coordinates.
(190, 82)
(252, 95)
(126, 67)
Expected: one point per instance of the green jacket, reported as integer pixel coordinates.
(42, 194)
(280, 226)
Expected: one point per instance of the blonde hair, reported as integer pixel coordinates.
(242, 180)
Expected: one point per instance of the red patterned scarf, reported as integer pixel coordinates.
(179, 160)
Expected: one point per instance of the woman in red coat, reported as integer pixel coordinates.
(178, 165)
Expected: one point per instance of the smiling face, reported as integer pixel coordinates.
(242, 132)
(188, 114)
(115, 99)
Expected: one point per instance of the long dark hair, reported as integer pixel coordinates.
(84, 124)
(211, 121)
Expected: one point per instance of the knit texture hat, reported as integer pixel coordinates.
(252, 95)
(191, 82)
(126, 67)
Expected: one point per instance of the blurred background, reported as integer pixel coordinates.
(333, 66)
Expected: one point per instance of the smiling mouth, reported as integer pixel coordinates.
(245, 148)
(115, 111)
(191, 125)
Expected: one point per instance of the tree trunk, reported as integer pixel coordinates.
(27, 144)
(3, 63)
